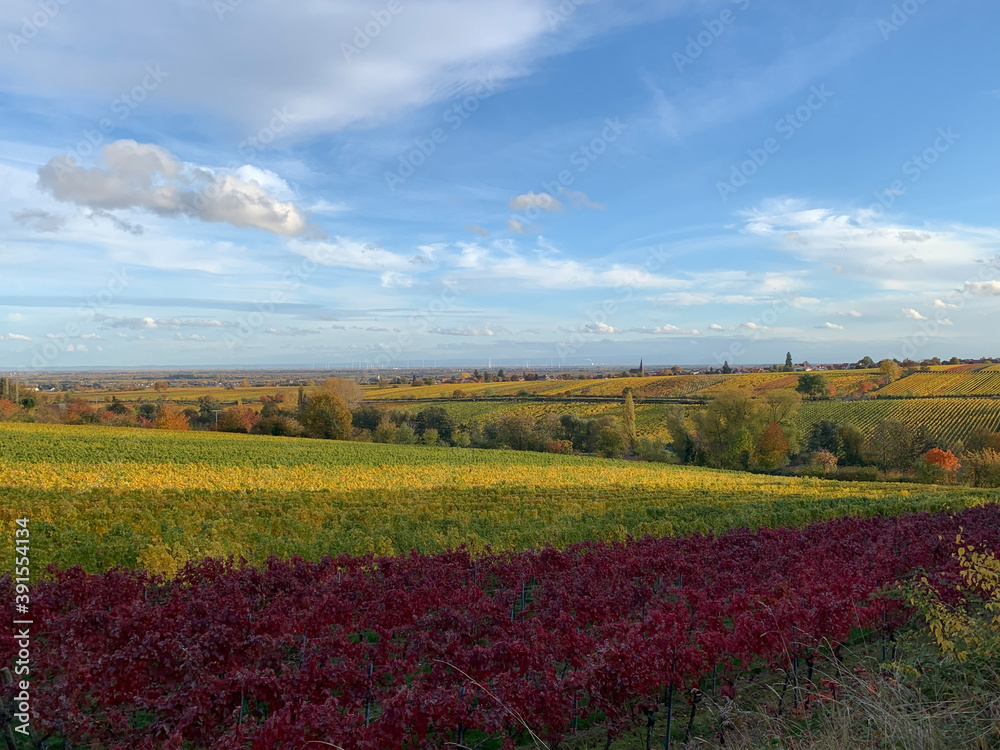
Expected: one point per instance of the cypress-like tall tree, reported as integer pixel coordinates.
(630, 432)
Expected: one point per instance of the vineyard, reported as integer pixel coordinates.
(951, 419)
(455, 650)
(920, 384)
(101, 497)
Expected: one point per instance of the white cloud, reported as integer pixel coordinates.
(983, 288)
(940, 304)
(672, 329)
(909, 312)
(14, 337)
(464, 331)
(14, 317)
(544, 201)
(598, 328)
(391, 279)
(831, 326)
(146, 176)
(851, 313)
(310, 65)
(863, 244)
(515, 226)
(715, 327)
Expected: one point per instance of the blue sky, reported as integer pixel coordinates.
(237, 182)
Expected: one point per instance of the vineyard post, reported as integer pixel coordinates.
(368, 700)
(670, 714)
(461, 727)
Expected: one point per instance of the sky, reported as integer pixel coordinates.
(496, 182)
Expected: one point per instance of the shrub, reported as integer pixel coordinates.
(982, 468)
(824, 461)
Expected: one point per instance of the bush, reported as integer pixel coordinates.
(653, 450)
(430, 436)
(982, 469)
(824, 461)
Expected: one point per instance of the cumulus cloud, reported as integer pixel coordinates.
(14, 337)
(909, 312)
(831, 326)
(543, 201)
(598, 328)
(148, 177)
(715, 327)
(983, 288)
(851, 313)
(38, 220)
(675, 330)
(940, 304)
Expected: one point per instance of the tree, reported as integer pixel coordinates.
(346, 390)
(160, 386)
(727, 429)
(326, 416)
(982, 468)
(438, 419)
(891, 445)
(781, 405)
(238, 419)
(812, 386)
(981, 439)
(682, 442)
(852, 445)
(824, 436)
(890, 370)
(170, 417)
(789, 366)
(772, 448)
(629, 428)
(726, 369)
(945, 459)
(366, 417)
(865, 363)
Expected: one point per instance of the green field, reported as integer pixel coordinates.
(101, 497)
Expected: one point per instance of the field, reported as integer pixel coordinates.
(451, 650)
(101, 497)
(920, 384)
(951, 419)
